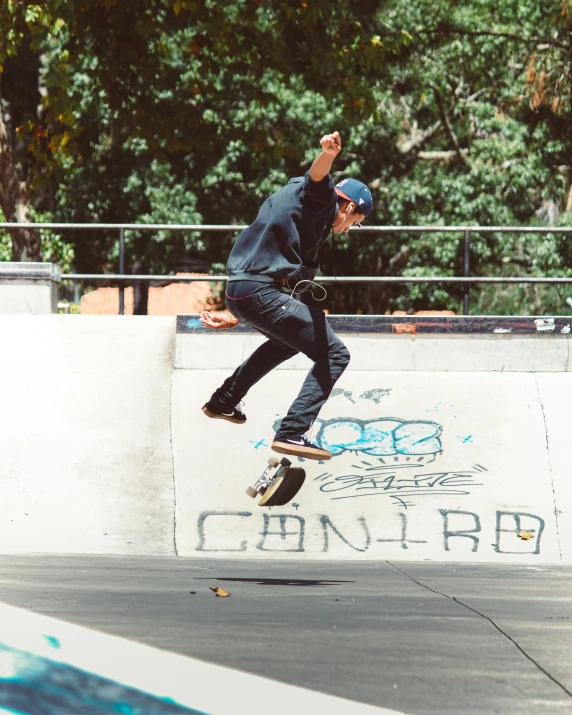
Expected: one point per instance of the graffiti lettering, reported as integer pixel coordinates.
(513, 521)
(201, 528)
(326, 522)
(375, 395)
(346, 393)
(465, 533)
(282, 533)
(288, 533)
(382, 437)
(403, 540)
(392, 480)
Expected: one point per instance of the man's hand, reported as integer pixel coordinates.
(331, 144)
(218, 321)
(331, 147)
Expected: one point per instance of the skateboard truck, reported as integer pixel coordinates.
(266, 478)
(279, 488)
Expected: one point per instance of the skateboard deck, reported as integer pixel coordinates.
(278, 484)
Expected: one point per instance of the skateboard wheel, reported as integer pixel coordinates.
(252, 492)
(273, 462)
(285, 462)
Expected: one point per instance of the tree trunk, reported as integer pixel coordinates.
(15, 203)
(568, 202)
(140, 290)
(378, 295)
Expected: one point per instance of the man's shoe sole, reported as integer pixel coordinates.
(214, 416)
(306, 452)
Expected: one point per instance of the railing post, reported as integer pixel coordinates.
(466, 267)
(122, 271)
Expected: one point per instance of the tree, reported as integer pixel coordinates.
(20, 30)
(188, 108)
(195, 110)
(461, 141)
(160, 68)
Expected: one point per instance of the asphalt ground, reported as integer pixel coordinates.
(421, 638)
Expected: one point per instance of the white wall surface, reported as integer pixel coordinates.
(428, 353)
(35, 297)
(85, 448)
(462, 452)
(555, 393)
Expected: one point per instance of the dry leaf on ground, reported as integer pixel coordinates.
(220, 592)
(525, 535)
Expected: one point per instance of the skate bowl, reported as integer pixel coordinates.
(449, 440)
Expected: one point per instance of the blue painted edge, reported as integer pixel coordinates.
(36, 680)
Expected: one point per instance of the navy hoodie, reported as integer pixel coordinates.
(284, 239)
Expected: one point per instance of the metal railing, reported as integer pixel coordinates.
(466, 279)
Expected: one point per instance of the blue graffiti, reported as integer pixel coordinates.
(33, 680)
(195, 324)
(259, 443)
(52, 641)
(381, 437)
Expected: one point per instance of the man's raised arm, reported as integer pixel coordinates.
(331, 147)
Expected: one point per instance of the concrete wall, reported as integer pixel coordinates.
(85, 448)
(104, 448)
(429, 463)
(29, 287)
(430, 353)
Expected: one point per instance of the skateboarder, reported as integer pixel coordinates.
(280, 249)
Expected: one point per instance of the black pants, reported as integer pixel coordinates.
(291, 328)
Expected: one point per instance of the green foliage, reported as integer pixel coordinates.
(5, 246)
(190, 111)
(457, 143)
(55, 247)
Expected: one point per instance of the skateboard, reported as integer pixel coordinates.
(278, 484)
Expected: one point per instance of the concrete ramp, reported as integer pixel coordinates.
(85, 446)
(446, 462)
(446, 446)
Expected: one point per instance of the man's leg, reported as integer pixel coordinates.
(291, 327)
(307, 329)
(259, 307)
(264, 359)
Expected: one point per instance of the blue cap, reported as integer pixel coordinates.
(356, 191)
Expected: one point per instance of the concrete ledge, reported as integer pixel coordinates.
(29, 287)
(30, 271)
(498, 325)
(445, 353)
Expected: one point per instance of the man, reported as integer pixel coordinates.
(280, 248)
